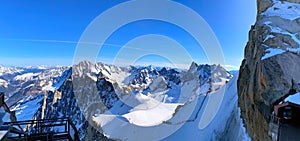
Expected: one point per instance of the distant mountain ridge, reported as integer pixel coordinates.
(86, 91)
(18, 82)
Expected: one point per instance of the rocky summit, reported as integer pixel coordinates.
(270, 68)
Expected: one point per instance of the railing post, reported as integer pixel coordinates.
(40, 126)
(68, 126)
(1, 98)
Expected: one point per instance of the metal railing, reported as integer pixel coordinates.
(275, 119)
(59, 128)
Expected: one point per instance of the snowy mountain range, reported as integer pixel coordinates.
(27, 82)
(129, 103)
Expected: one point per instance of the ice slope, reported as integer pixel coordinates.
(27, 109)
(216, 129)
(151, 116)
(142, 123)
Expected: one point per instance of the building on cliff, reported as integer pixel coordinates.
(285, 123)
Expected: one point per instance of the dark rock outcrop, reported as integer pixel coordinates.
(270, 69)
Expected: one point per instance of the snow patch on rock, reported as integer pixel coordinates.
(283, 9)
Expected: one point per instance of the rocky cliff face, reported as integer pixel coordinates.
(64, 103)
(270, 69)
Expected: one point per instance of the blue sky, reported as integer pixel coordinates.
(47, 32)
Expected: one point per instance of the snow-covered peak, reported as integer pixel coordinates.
(84, 67)
(193, 66)
(210, 73)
